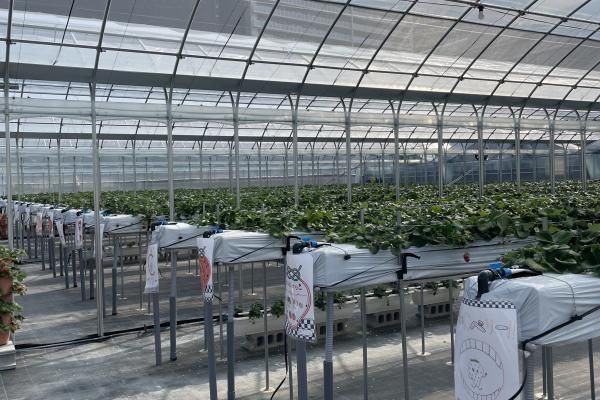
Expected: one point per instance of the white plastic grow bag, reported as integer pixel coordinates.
(177, 236)
(243, 247)
(122, 223)
(442, 261)
(546, 301)
(89, 220)
(333, 268)
(70, 216)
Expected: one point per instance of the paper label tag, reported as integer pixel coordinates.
(152, 276)
(205, 261)
(299, 297)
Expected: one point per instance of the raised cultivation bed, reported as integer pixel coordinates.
(436, 303)
(385, 311)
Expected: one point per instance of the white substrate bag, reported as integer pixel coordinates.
(334, 269)
(244, 247)
(441, 261)
(177, 236)
(546, 301)
(122, 223)
(70, 216)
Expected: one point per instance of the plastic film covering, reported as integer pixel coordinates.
(546, 301)
(80, 110)
(89, 220)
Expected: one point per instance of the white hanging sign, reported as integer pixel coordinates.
(51, 223)
(101, 241)
(61, 232)
(206, 248)
(39, 224)
(299, 297)
(152, 269)
(486, 352)
(27, 217)
(79, 233)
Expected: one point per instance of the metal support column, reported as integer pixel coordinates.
(60, 177)
(265, 322)
(397, 152)
(134, 164)
(173, 307)
(169, 99)
(301, 370)
(518, 153)
(481, 155)
(328, 362)
(236, 143)
(295, 148)
(592, 376)
(210, 344)
(404, 341)
(7, 161)
(440, 156)
(363, 321)
(551, 155)
(231, 336)
(348, 127)
(583, 150)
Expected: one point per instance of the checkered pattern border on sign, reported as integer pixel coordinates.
(489, 304)
(209, 293)
(305, 324)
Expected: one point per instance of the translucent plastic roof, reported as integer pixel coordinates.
(446, 59)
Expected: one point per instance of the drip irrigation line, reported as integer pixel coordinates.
(94, 338)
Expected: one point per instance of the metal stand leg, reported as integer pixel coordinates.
(173, 307)
(141, 286)
(114, 277)
(530, 384)
(81, 273)
(230, 339)
(290, 368)
(43, 253)
(210, 340)
(363, 320)
(156, 317)
(63, 265)
(404, 341)
(550, 373)
(592, 377)
(122, 261)
(221, 344)
(451, 295)
(544, 374)
(241, 293)
(328, 362)
(266, 335)
(51, 256)
(35, 246)
(29, 242)
(301, 370)
(423, 353)
(74, 265)
(90, 267)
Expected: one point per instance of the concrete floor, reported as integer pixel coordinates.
(123, 367)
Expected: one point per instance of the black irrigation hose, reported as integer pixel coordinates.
(110, 334)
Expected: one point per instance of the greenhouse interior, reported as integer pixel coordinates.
(300, 199)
